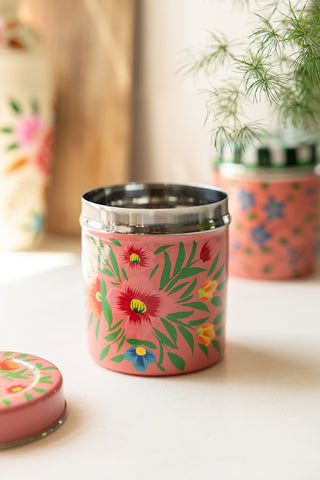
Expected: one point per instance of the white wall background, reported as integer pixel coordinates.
(170, 141)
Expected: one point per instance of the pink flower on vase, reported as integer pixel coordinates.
(29, 130)
(43, 156)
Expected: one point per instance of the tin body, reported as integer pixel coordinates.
(275, 220)
(155, 263)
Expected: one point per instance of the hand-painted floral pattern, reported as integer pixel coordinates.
(135, 256)
(28, 130)
(207, 290)
(260, 235)
(206, 333)
(8, 364)
(205, 252)
(16, 388)
(95, 297)
(140, 358)
(31, 134)
(274, 209)
(139, 306)
(273, 233)
(26, 142)
(24, 377)
(246, 200)
(153, 307)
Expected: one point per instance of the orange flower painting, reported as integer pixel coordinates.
(206, 333)
(207, 290)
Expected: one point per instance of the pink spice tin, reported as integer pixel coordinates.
(155, 263)
(32, 403)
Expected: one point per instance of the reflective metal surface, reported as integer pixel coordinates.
(154, 208)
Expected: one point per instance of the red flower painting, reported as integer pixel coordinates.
(16, 388)
(139, 306)
(205, 252)
(135, 256)
(95, 297)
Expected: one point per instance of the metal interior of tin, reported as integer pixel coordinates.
(154, 208)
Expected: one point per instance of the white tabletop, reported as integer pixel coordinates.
(253, 416)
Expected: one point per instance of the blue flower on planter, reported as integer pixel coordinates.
(310, 191)
(246, 199)
(236, 245)
(140, 357)
(260, 235)
(274, 209)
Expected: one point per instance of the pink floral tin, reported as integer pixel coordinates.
(32, 403)
(155, 263)
(274, 204)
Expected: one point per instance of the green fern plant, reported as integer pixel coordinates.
(279, 65)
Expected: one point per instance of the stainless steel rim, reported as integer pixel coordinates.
(43, 434)
(155, 208)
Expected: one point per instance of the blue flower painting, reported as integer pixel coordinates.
(140, 357)
(260, 235)
(246, 199)
(274, 209)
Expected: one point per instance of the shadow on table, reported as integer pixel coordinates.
(247, 365)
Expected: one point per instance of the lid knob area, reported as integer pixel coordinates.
(32, 403)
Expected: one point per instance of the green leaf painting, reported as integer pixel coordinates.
(190, 288)
(220, 330)
(106, 309)
(15, 106)
(204, 349)
(162, 249)
(177, 361)
(166, 271)
(171, 330)
(187, 336)
(219, 273)
(117, 358)
(136, 342)
(180, 259)
(154, 271)
(216, 301)
(218, 318)
(114, 262)
(216, 345)
(213, 266)
(104, 352)
(115, 242)
(197, 305)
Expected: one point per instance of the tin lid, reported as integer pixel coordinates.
(283, 149)
(155, 208)
(32, 403)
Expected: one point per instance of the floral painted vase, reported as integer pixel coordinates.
(275, 212)
(155, 304)
(26, 131)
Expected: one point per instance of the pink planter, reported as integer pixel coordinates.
(155, 301)
(275, 215)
